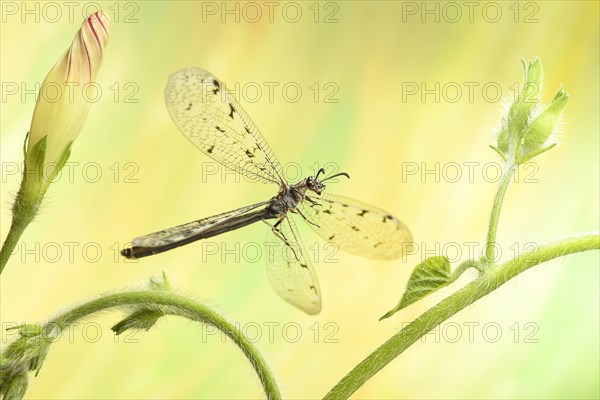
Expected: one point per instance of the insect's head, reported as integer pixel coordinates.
(313, 183)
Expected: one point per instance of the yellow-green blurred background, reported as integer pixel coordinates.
(371, 52)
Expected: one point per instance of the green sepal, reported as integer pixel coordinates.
(157, 284)
(533, 154)
(517, 119)
(543, 125)
(144, 318)
(27, 330)
(61, 161)
(25, 145)
(34, 159)
(36, 351)
(141, 319)
(15, 387)
(500, 153)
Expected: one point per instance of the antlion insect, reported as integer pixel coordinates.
(209, 116)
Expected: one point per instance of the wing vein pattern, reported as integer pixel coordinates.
(289, 268)
(210, 117)
(357, 227)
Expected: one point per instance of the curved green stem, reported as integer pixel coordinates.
(463, 267)
(490, 249)
(174, 304)
(487, 282)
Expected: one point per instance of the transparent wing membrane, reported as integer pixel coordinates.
(210, 117)
(356, 227)
(289, 269)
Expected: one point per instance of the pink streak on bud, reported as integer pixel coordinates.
(85, 54)
(62, 118)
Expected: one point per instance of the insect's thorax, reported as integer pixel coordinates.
(289, 198)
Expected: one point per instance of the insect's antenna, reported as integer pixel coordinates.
(319, 172)
(336, 175)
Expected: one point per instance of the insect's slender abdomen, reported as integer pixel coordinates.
(226, 225)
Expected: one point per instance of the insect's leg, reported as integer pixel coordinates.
(306, 219)
(281, 236)
(279, 221)
(313, 202)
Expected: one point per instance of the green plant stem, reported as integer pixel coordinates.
(463, 267)
(487, 282)
(16, 230)
(177, 305)
(490, 249)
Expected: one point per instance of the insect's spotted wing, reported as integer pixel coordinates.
(289, 269)
(356, 227)
(210, 117)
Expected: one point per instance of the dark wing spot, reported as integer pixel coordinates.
(355, 228)
(210, 149)
(217, 86)
(387, 217)
(249, 153)
(304, 265)
(344, 205)
(189, 107)
(327, 211)
(217, 127)
(331, 237)
(377, 244)
(362, 213)
(313, 288)
(231, 110)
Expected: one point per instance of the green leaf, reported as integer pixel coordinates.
(142, 319)
(543, 125)
(427, 277)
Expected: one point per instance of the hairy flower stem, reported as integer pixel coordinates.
(22, 217)
(15, 232)
(490, 249)
(488, 281)
(181, 306)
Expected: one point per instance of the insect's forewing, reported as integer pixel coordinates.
(210, 117)
(356, 227)
(289, 269)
